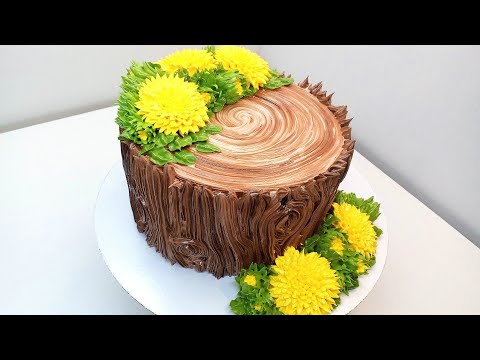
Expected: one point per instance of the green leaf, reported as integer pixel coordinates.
(185, 141)
(160, 156)
(237, 306)
(254, 300)
(213, 129)
(277, 81)
(205, 89)
(173, 146)
(199, 136)
(180, 142)
(210, 48)
(206, 147)
(184, 157)
(147, 148)
(161, 139)
(125, 136)
(217, 107)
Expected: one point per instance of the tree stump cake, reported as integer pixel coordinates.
(283, 155)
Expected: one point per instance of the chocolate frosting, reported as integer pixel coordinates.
(284, 153)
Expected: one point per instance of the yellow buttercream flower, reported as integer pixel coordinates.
(142, 135)
(171, 104)
(258, 307)
(250, 280)
(249, 64)
(192, 60)
(358, 227)
(303, 284)
(337, 246)
(361, 267)
(206, 97)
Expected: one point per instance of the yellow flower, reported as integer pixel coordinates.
(358, 227)
(361, 267)
(250, 280)
(192, 60)
(142, 135)
(304, 284)
(258, 307)
(171, 105)
(206, 97)
(238, 87)
(249, 64)
(337, 246)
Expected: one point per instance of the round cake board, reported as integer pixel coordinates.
(171, 289)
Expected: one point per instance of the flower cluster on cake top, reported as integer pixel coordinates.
(165, 106)
(309, 281)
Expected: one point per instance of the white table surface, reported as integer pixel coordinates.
(50, 175)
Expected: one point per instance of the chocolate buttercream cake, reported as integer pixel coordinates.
(283, 155)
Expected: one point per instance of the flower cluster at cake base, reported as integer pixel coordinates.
(165, 106)
(309, 281)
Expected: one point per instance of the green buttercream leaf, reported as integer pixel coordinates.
(254, 300)
(210, 48)
(161, 139)
(206, 147)
(199, 136)
(238, 306)
(277, 81)
(212, 129)
(147, 148)
(180, 142)
(125, 135)
(184, 157)
(378, 231)
(160, 156)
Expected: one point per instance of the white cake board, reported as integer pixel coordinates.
(171, 289)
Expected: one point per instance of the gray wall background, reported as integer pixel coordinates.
(416, 108)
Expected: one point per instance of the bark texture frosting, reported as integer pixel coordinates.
(284, 153)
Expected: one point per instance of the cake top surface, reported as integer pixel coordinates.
(273, 139)
(221, 117)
